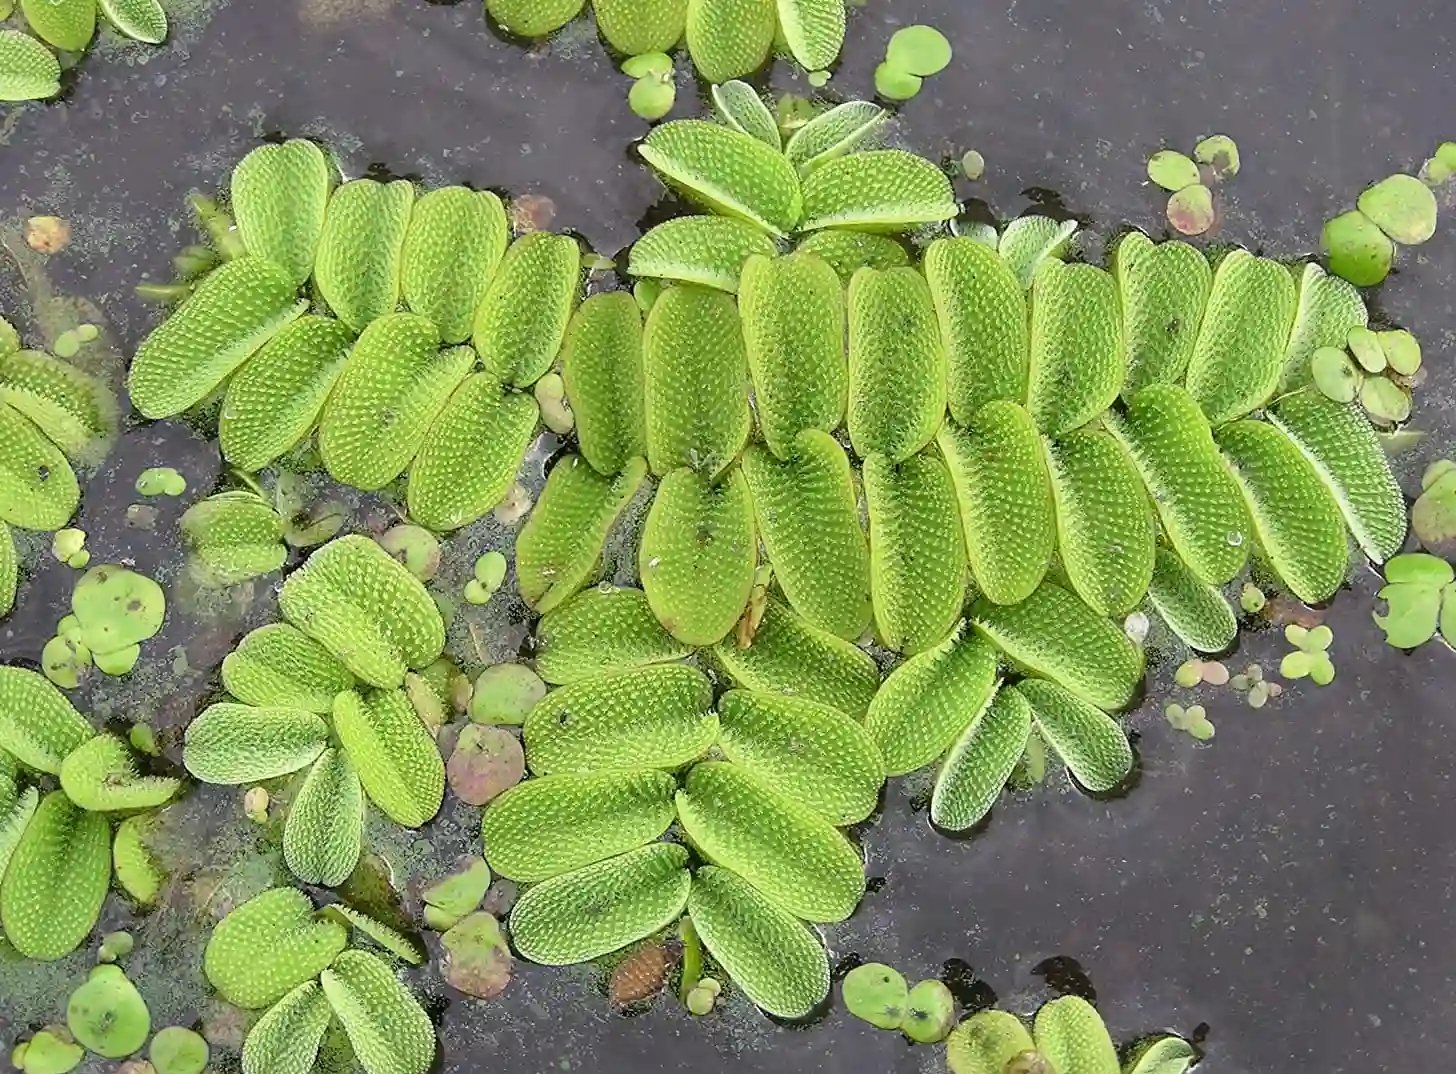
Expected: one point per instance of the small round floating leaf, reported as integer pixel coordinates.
(601, 908)
(28, 70)
(641, 28)
(1357, 249)
(601, 630)
(644, 718)
(1071, 1034)
(729, 39)
(983, 758)
(652, 97)
(919, 50)
(1365, 346)
(791, 854)
(178, 1050)
(323, 834)
(286, 1039)
(555, 824)
(460, 892)
(505, 694)
(649, 62)
(268, 946)
(1219, 152)
(108, 1015)
(1401, 206)
(876, 993)
(38, 725)
(1191, 210)
(896, 84)
(1385, 401)
(1172, 170)
(1335, 375)
(57, 879)
(279, 196)
(929, 1013)
(780, 965)
(811, 751)
(989, 1042)
(477, 959)
(486, 762)
(881, 190)
(1402, 351)
(390, 747)
(53, 1050)
(726, 171)
(389, 1031)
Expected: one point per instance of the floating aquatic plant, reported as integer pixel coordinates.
(1191, 181)
(277, 954)
(1420, 590)
(356, 622)
(913, 55)
(30, 72)
(1399, 210)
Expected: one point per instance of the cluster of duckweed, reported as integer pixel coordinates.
(29, 71)
(1397, 211)
(113, 611)
(1191, 181)
(914, 54)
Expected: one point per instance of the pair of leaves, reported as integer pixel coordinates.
(1421, 592)
(234, 536)
(1067, 1035)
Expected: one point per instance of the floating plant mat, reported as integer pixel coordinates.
(1028, 480)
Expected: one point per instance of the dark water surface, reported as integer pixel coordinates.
(1289, 885)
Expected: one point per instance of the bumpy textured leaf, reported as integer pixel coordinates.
(548, 826)
(395, 383)
(696, 370)
(53, 889)
(231, 744)
(1344, 450)
(980, 762)
(234, 536)
(698, 555)
(833, 133)
(928, 701)
(365, 608)
(1070, 1033)
(286, 1039)
(279, 196)
(533, 18)
(381, 935)
(849, 251)
(793, 312)
(1105, 524)
(917, 551)
(1077, 358)
(1055, 635)
(101, 775)
(268, 946)
(471, 454)
(724, 170)
(9, 570)
(64, 24)
(789, 655)
(779, 964)
(1328, 308)
(814, 30)
(1197, 501)
(325, 827)
(388, 1029)
(705, 250)
(740, 106)
(1164, 288)
(275, 399)
(1193, 609)
(633, 27)
(522, 320)
(17, 807)
(601, 364)
(603, 907)
(393, 753)
(729, 38)
(455, 240)
(1006, 508)
(809, 751)
(28, 70)
(73, 409)
(236, 309)
(791, 854)
(983, 323)
(644, 718)
(141, 20)
(38, 724)
(897, 365)
(987, 1042)
(1239, 356)
(360, 251)
(1163, 1055)
(1094, 748)
(808, 518)
(38, 488)
(1296, 518)
(1030, 241)
(602, 630)
(138, 874)
(281, 666)
(882, 190)
(560, 548)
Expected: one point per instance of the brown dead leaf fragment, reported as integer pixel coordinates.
(641, 975)
(487, 762)
(1282, 611)
(47, 234)
(531, 212)
(477, 959)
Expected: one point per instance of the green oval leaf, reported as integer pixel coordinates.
(57, 879)
(897, 365)
(834, 133)
(602, 630)
(601, 365)
(389, 1031)
(393, 752)
(279, 195)
(323, 834)
(1164, 288)
(455, 240)
(38, 724)
(522, 320)
(705, 250)
(1070, 1033)
(28, 70)
(881, 190)
(635, 27)
(1093, 746)
(724, 170)
(1193, 609)
(1077, 358)
(278, 665)
(231, 744)
(76, 411)
(286, 1039)
(38, 488)
(983, 321)
(814, 30)
(981, 761)
(102, 775)
(729, 38)
(743, 109)
(361, 248)
(269, 946)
